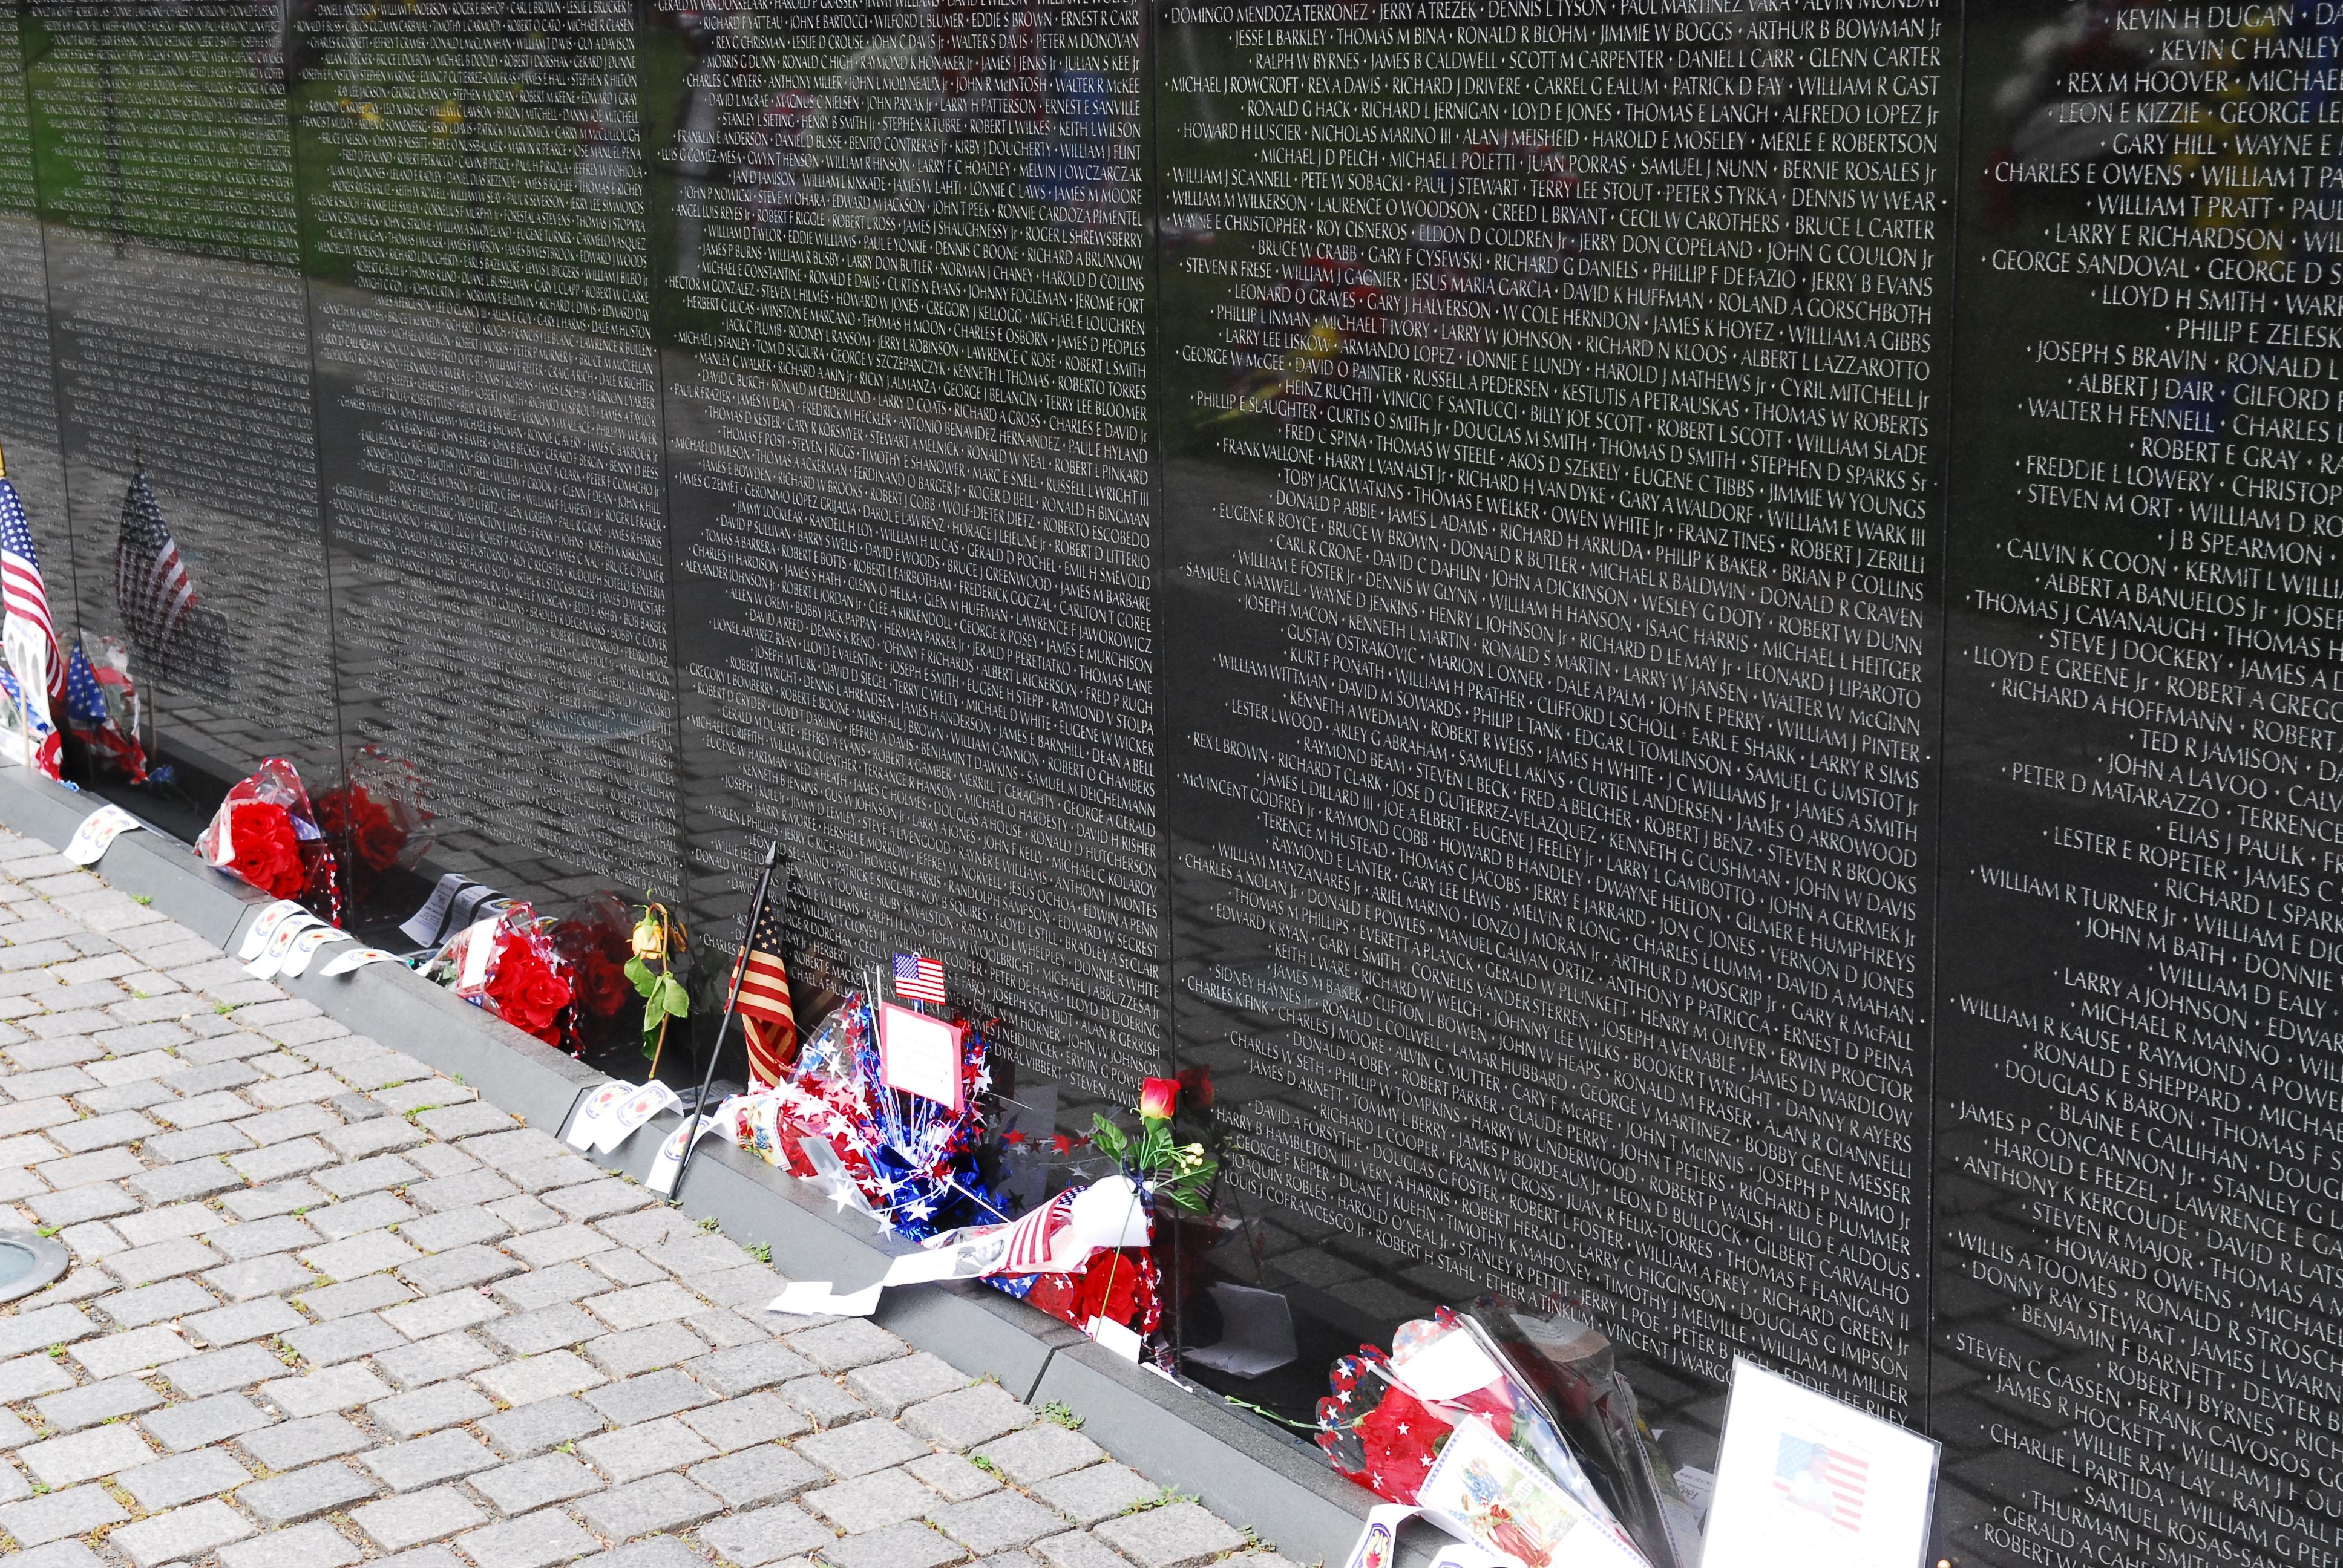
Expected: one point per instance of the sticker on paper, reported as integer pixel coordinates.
(357, 958)
(98, 832)
(257, 935)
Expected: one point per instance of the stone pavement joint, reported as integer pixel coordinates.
(328, 1307)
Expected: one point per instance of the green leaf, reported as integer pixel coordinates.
(641, 974)
(674, 998)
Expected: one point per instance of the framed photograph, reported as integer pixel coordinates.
(1485, 1489)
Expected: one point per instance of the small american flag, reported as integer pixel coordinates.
(20, 584)
(1032, 1236)
(766, 1017)
(150, 582)
(1824, 1479)
(918, 978)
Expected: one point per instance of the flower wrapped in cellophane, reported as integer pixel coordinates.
(266, 832)
(506, 963)
(1544, 1387)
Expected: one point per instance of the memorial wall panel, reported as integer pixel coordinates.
(181, 349)
(488, 407)
(908, 424)
(28, 406)
(2140, 1067)
(1550, 444)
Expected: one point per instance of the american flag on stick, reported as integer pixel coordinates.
(20, 583)
(767, 1019)
(918, 978)
(150, 582)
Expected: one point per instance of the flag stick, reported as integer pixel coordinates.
(731, 1002)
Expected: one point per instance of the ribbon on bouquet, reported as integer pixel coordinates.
(1058, 1237)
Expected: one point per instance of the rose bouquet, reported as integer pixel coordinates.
(375, 819)
(507, 965)
(1542, 1386)
(266, 832)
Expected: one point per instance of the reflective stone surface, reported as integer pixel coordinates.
(1687, 651)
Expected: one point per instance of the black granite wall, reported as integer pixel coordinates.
(1690, 646)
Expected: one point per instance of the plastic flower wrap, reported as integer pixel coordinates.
(266, 832)
(1545, 1386)
(592, 943)
(507, 965)
(375, 818)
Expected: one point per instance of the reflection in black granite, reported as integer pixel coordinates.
(1550, 493)
(488, 410)
(909, 488)
(176, 309)
(28, 407)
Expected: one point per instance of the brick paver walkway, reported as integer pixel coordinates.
(327, 1306)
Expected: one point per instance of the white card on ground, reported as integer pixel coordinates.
(1113, 1336)
(666, 1165)
(98, 832)
(919, 1054)
(585, 1123)
(306, 946)
(357, 958)
(1807, 1481)
(814, 1299)
(425, 924)
(1256, 1332)
(257, 935)
(1485, 1490)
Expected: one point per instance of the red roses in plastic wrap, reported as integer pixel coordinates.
(524, 991)
(266, 833)
(507, 965)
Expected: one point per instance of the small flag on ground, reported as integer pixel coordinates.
(918, 978)
(150, 582)
(21, 589)
(767, 1019)
(92, 723)
(1824, 1479)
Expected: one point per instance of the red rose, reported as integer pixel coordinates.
(1156, 1097)
(524, 991)
(267, 853)
(1196, 1083)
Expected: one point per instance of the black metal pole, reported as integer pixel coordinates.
(724, 1025)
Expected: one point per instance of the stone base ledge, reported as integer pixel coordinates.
(1240, 1466)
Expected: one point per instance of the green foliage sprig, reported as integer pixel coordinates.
(1177, 1172)
(659, 938)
